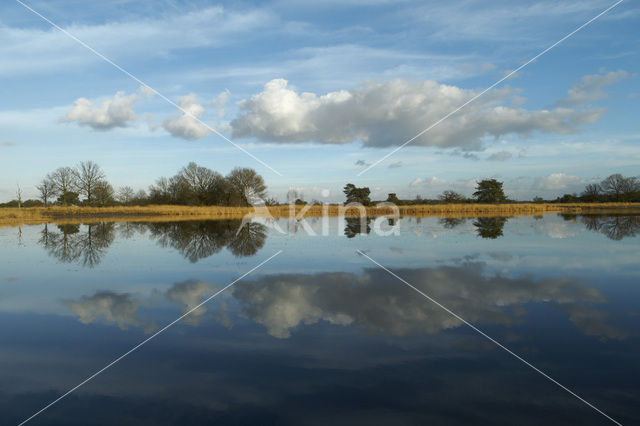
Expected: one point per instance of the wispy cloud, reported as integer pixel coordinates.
(591, 88)
(500, 156)
(41, 51)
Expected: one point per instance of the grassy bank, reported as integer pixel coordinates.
(35, 215)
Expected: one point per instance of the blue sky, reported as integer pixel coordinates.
(319, 91)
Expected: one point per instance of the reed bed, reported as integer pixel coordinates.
(59, 214)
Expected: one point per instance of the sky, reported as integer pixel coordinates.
(316, 92)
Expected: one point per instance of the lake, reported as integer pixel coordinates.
(320, 334)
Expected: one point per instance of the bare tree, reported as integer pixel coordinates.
(614, 185)
(449, 196)
(591, 192)
(160, 192)
(630, 185)
(47, 190)
(125, 194)
(140, 197)
(64, 181)
(200, 180)
(103, 194)
(88, 174)
(19, 195)
(245, 183)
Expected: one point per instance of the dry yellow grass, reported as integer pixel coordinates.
(58, 214)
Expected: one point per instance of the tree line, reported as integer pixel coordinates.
(487, 191)
(615, 188)
(86, 185)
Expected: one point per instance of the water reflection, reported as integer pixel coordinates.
(74, 243)
(451, 222)
(377, 303)
(197, 240)
(86, 244)
(356, 225)
(372, 302)
(113, 308)
(615, 227)
(490, 227)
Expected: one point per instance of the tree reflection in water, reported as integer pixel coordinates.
(615, 227)
(356, 225)
(451, 222)
(490, 227)
(197, 240)
(84, 244)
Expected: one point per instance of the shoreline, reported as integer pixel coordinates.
(59, 214)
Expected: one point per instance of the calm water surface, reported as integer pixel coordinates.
(320, 334)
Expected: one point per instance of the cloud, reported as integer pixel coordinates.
(220, 101)
(479, 21)
(464, 154)
(555, 181)
(500, 156)
(8, 143)
(186, 126)
(112, 307)
(30, 50)
(361, 163)
(590, 88)
(395, 165)
(283, 302)
(390, 112)
(430, 181)
(111, 113)
(593, 322)
(190, 293)
(558, 229)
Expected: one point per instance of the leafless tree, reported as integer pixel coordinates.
(103, 194)
(614, 185)
(591, 191)
(630, 185)
(47, 190)
(88, 175)
(125, 194)
(200, 181)
(19, 195)
(449, 196)
(244, 181)
(64, 180)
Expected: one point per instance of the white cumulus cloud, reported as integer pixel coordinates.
(110, 113)
(186, 126)
(390, 112)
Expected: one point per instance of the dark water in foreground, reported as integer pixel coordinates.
(320, 334)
